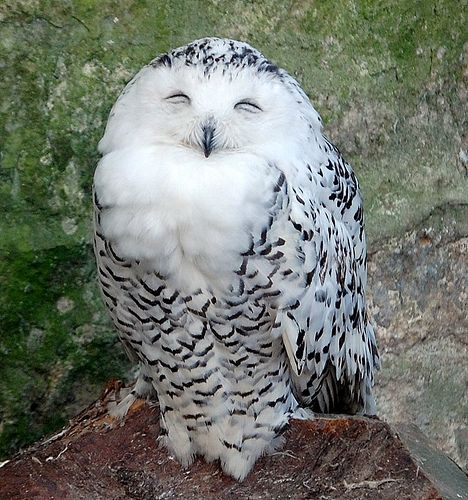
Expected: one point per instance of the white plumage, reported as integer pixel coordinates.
(231, 253)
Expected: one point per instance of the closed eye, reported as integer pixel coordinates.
(178, 98)
(249, 106)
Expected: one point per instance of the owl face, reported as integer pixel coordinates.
(213, 97)
(217, 114)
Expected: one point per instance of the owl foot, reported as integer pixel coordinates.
(303, 414)
(141, 390)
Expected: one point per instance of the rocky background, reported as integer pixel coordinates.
(389, 79)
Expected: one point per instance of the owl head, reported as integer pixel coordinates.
(214, 96)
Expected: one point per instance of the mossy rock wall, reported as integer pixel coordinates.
(389, 79)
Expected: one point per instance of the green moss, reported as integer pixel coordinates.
(47, 298)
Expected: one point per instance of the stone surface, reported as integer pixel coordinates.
(329, 458)
(389, 79)
(448, 478)
(419, 300)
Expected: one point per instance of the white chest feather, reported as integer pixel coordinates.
(187, 217)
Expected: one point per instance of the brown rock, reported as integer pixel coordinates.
(97, 457)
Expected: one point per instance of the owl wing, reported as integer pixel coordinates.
(323, 319)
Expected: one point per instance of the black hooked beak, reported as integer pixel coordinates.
(208, 139)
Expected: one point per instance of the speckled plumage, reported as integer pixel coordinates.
(231, 253)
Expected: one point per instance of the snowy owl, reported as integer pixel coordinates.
(231, 253)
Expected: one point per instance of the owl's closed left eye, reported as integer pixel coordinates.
(178, 98)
